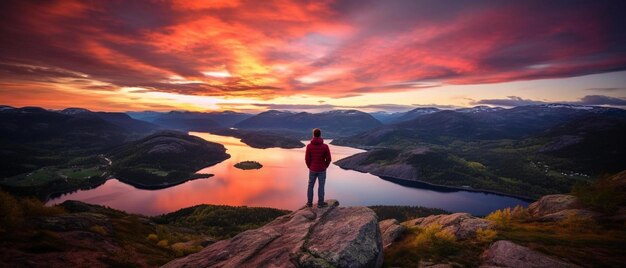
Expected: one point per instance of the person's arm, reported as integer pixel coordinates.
(307, 157)
(327, 156)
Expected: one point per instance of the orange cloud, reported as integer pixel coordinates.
(273, 49)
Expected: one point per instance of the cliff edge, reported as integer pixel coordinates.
(309, 237)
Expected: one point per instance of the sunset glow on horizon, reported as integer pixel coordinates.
(310, 55)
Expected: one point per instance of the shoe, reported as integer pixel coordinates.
(309, 205)
(322, 205)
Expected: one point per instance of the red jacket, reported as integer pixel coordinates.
(317, 155)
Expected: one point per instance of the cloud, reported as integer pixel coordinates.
(316, 107)
(321, 48)
(607, 89)
(602, 100)
(510, 101)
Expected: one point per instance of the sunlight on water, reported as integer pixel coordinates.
(281, 183)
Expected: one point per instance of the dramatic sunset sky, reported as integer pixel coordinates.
(310, 55)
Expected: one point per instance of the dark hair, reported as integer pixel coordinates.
(317, 132)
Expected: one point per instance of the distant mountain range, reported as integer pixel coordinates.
(539, 149)
(191, 121)
(333, 123)
(481, 122)
(535, 149)
(73, 125)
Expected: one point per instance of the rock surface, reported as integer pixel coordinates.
(390, 230)
(564, 214)
(462, 225)
(505, 253)
(308, 237)
(552, 203)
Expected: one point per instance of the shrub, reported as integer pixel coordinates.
(576, 223)
(501, 217)
(603, 195)
(11, 214)
(33, 207)
(436, 241)
(163, 243)
(486, 235)
(98, 229)
(153, 237)
(182, 249)
(520, 213)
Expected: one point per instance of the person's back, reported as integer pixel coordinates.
(317, 158)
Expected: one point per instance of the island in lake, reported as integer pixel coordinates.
(245, 165)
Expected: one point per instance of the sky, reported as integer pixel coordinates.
(310, 55)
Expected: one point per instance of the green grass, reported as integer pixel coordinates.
(80, 173)
(157, 172)
(39, 177)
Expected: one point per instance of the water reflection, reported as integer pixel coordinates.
(281, 183)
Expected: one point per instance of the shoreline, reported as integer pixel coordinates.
(164, 185)
(453, 188)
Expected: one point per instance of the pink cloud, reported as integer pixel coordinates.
(329, 48)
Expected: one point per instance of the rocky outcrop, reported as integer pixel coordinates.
(508, 254)
(552, 203)
(390, 230)
(462, 225)
(564, 214)
(558, 207)
(308, 237)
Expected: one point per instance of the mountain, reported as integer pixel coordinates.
(390, 118)
(333, 123)
(528, 150)
(479, 123)
(164, 159)
(596, 142)
(260, 139)
(192, 121)
(48, 152)
(479, 109)
(385, 117)
(72, 128)
(6, 107)
(119, 119)
(417, 112)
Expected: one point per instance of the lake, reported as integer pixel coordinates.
(282, 183)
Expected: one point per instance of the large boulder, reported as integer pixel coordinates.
(391, 230)
(552, 203)
(564, 214)
(308, 237)
(462, 225)
(505, 253)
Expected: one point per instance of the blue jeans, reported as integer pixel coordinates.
(320, 189)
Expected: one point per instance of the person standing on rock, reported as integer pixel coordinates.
(317, 158)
